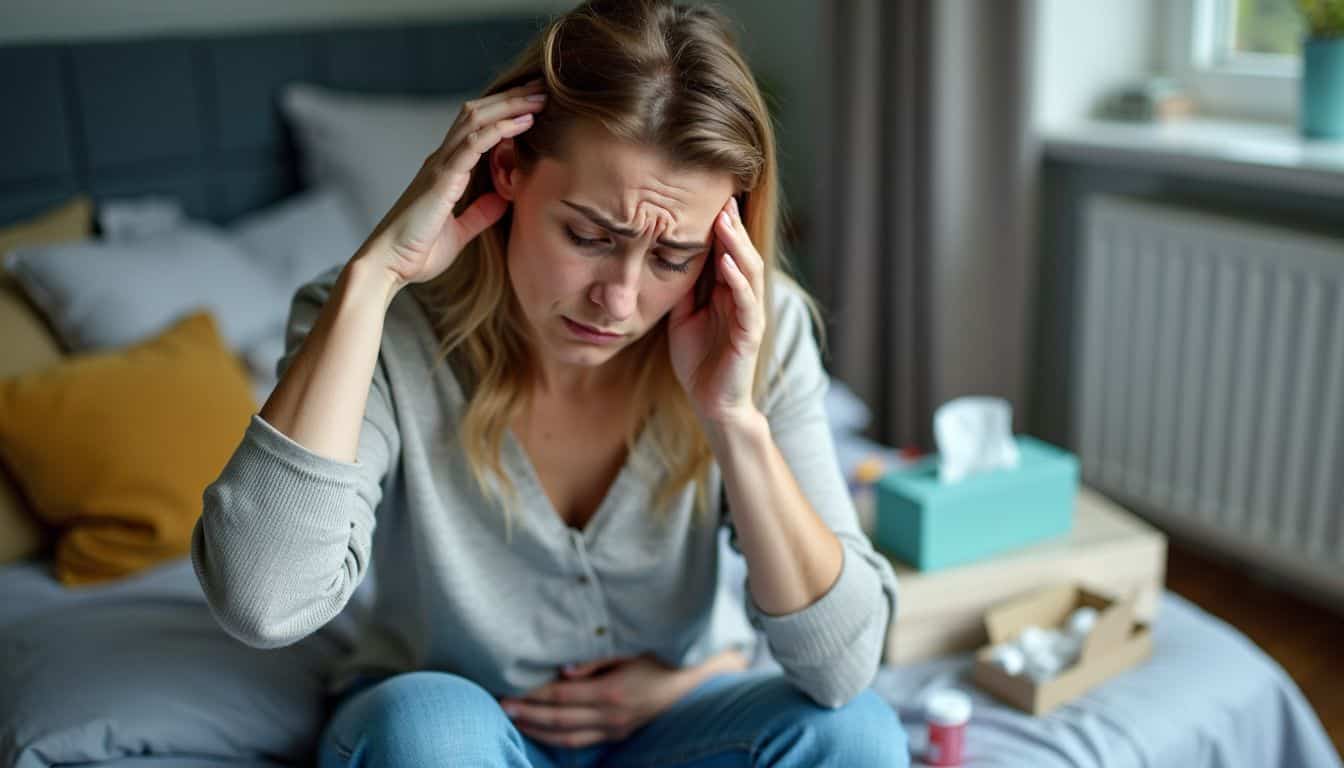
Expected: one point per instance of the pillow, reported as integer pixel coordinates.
(134, 217)
(115, 450)
(261, 359)
(845, 411)
(367, 146)
(299, 238)
(71, 220)
(100, 295)
(27, 344)
(160, 680)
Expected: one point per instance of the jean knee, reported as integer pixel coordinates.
(420, 718)
(864, 733)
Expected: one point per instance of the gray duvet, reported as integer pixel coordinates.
(137, 674)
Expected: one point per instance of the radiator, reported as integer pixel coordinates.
(1211, 381)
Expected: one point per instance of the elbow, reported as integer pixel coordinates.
(838, 679)
(254, 630)
(245, 617)
(833, 692)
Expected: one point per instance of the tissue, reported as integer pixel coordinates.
(974, 434)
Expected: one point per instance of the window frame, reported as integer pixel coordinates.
(1257, 86)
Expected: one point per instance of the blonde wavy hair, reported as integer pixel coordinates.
(656, 74)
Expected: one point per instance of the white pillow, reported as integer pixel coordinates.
(99, 294)
(367, 146)
(300, 237)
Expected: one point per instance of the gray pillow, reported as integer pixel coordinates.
(368, 147)
(300, 237)
(155, 676)
(100, 294)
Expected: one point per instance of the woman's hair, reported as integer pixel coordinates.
(655, 74)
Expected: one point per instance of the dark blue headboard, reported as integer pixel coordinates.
(197, 117)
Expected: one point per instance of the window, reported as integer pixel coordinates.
(1237, 57)
(1263, 28)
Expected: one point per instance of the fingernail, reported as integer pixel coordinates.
(726, 218)
(537, 97)
(523, 119)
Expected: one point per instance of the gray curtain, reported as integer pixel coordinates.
(926, 190)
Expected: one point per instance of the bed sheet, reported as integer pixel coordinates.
(1207, 697)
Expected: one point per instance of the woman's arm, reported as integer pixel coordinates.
(823, 597)
(320, 400)
(792, 556)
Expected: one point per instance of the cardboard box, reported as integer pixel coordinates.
(930, 524)
(1117, 642)
(1110, 550)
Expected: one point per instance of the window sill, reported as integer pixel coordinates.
(1258, 154)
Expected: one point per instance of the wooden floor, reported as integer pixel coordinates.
(1306, 639)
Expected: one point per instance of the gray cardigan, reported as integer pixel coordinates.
(286, 535)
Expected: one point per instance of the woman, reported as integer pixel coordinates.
(557, 367)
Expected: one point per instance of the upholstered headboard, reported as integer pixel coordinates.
(196, 117)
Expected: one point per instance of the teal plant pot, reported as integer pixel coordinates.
(1322, 112)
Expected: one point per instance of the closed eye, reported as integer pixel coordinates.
(582, 242)
(587, 242)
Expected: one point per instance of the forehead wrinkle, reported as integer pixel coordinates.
(601, 220)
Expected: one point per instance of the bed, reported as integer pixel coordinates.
(136, 672)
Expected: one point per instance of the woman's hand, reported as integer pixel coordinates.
(608, 699)
(419, 237)
(714, 349)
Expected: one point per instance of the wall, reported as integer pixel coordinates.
(1087, 47)
(777, 37)
(26, 20)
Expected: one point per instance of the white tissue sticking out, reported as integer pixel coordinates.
(1034, 640)
(1039, 653)
(1009, 657)
(974, 434)
(1081, 621)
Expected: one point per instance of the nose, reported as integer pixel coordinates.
(617, 288)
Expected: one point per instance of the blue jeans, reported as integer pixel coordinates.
(731, 720)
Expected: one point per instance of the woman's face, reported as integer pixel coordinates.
(611, 237)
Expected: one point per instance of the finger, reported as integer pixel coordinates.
(744, 298)
(589, 691)
(504, 105)
(554, 717)
(570, 739)
(452, 178)
(744, 254)
(484, 211)
(591, 667)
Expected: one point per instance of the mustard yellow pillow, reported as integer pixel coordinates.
(115, 449)
(27, 344)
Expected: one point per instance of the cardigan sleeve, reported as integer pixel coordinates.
(285, 534)
(831, 649)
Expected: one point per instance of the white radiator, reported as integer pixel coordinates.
(1211, 381)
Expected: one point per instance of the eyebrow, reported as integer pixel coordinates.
(601, 221)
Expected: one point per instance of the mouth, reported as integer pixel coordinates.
(589, 332)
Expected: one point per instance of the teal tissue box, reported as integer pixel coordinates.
(932, 525)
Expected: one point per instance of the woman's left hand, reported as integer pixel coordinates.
(714, 349)
(600, 701)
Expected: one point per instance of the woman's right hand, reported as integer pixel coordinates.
(419, 237)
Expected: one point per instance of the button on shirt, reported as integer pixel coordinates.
(286, 536)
